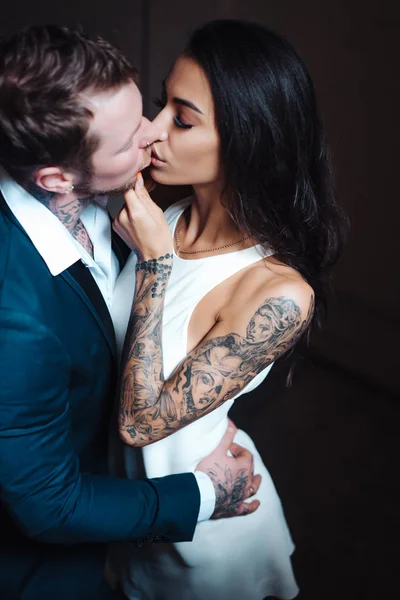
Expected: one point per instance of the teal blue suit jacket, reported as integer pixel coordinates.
(58, 506)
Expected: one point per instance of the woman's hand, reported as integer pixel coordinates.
(142, 225)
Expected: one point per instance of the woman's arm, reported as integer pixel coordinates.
(214, 372)
(257, 332)
(142, 362)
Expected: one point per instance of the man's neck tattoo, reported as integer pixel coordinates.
(68, 211)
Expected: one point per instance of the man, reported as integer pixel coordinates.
(71, 131)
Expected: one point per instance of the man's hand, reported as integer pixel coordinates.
(232, 477)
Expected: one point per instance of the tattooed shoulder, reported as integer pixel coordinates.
(279, 322)
(216, 370)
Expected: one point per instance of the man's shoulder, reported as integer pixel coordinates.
(25, 280)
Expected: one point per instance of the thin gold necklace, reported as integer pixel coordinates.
(180, 251)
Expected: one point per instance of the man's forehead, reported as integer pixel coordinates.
(116, 110)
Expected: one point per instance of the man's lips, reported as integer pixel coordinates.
(147, 163)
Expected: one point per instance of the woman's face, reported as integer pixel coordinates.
(190, 155)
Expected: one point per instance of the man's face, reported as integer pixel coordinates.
(119, 125)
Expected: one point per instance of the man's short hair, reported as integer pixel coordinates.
(43, 121)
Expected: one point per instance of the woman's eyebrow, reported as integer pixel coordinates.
(181, 101)
(187, 103)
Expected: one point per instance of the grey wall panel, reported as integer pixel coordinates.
(351, 50)
(118, 21)
(170, 24)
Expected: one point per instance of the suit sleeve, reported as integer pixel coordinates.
(40, 478)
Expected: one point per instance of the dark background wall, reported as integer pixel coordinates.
(330, 441)
(351, 49)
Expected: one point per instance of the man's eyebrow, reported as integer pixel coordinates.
(181, 101)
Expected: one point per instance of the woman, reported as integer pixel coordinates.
(227, 282)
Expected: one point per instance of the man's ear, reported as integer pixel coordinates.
(55, 180)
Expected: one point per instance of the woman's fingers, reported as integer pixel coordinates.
(142, 225)
(138, 200)
(149, 184)
(121, 227)
(133, 203)
(142, 193)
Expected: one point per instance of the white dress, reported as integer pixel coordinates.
(241, 558)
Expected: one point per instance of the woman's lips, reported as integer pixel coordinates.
(155, 159)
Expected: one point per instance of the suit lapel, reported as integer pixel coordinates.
(81, 280)
(6, 210)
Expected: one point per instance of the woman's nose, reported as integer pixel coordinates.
(152, 132)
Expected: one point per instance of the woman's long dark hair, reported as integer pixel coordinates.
(273, 150)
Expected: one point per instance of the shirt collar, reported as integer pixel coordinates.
(49, 236)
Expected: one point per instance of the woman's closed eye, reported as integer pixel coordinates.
(179, 123)
(161, 104)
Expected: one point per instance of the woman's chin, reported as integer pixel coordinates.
(162, 178)
(155, 174)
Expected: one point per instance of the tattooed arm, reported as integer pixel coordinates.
(140, 223)
(214, 372)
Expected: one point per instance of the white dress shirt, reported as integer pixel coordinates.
(60, 251)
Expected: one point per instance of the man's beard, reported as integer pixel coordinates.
(86, 189)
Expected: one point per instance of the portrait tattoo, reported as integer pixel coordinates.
(214, 372)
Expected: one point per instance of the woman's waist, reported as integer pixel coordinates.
(185, 448)
(182, 453)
